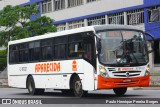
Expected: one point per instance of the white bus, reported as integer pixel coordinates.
(81, 60)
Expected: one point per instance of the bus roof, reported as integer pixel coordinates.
(73, 31)
(116, 27)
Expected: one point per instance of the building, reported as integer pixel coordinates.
(70, 14)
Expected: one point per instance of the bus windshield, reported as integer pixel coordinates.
(122, 47)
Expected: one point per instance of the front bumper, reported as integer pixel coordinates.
(110, 83)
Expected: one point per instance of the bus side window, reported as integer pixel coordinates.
(75, 50)
(88, 51)
(46, 49)
(34, 51)
(59, 51)
(13, 54)
(60, 47)
(75, 46)
(23, 52)
(88, 47)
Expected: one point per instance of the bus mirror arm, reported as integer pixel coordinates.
(151, 42)
(96, 55)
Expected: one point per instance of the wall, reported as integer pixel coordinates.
(3, 3)
(151, 2)
(92, 8)
(152, 28)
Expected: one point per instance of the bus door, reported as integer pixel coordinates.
(89, 53)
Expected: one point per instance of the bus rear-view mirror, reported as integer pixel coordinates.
(149, 42)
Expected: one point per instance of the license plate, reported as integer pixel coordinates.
(127, 80)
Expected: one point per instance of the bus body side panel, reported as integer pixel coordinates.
(53, 74)
(16, 78)
(88, 82)
(60, 79)
(48, 81)
(17, 81)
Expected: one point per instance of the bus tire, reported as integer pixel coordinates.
(120, 91)
(77, 87)
(31, 87)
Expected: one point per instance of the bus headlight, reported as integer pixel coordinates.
(103, 72)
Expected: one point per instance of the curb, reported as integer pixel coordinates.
(4, 86)
(146, 88)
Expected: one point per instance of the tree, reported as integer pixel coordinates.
(41, 25)
(3, 59)
(16, 23)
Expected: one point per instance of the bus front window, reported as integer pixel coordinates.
(122, 47)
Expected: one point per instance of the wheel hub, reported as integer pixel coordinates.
(78, 86)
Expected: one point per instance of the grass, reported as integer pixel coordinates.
(155, 74)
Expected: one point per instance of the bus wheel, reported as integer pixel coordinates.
(31, 87)
(77, 87)
(120, 91)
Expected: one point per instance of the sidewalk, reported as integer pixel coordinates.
(146, 88)
(3, 82)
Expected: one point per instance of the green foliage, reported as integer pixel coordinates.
(3, 59)
(16, 23)
(3, 38)
(41, 25)
(19, 33)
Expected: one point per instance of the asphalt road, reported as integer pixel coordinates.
(94, 95)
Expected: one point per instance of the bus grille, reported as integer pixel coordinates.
(123, 73)
(111, 69)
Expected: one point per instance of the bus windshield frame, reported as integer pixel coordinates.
(122, 47)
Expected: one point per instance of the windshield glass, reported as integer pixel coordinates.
(122, 47)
